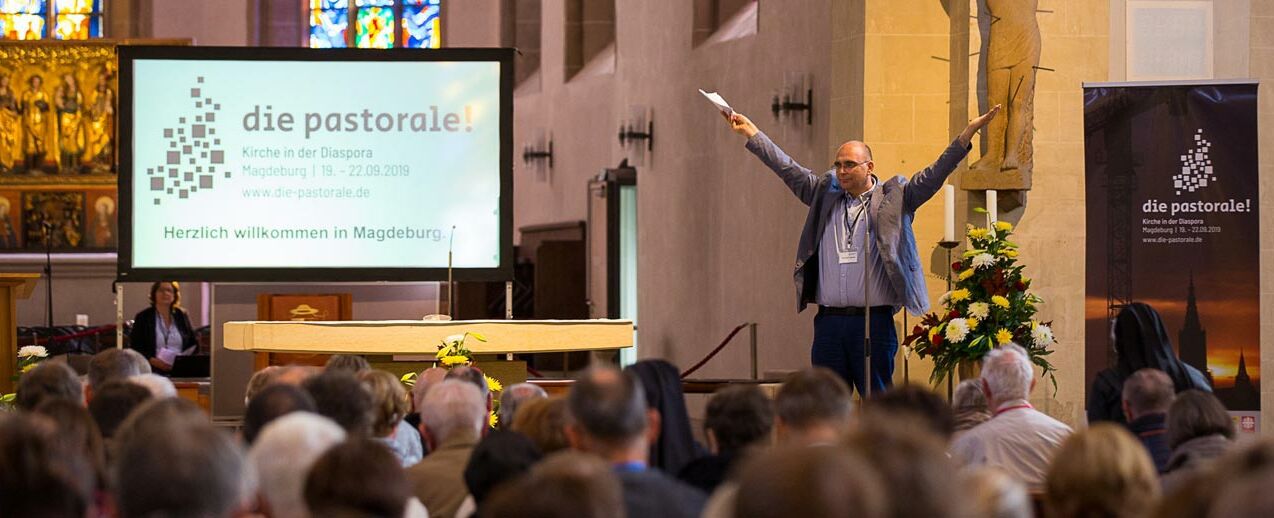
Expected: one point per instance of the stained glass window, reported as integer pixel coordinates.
(379, 24)
(77, 19)
(422, 24)
(33, 19)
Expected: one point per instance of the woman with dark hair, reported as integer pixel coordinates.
(163, 332)
(1141, 342)
(1199, 431)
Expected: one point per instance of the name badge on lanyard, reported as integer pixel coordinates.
(849, 254)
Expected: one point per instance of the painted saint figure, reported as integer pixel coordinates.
(99, 153)
(69, 101)
(10, 127)
(1013, 52)
(39, 127)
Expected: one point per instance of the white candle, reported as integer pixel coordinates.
(992, 206)
(948, 219)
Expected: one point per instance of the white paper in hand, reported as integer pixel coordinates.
(718, 102)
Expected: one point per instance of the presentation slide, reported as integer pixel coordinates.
(315, 164)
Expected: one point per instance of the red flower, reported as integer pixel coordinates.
(957, 266)
(918, 330)
(1019, 286)
(937, 340)
(955, 313)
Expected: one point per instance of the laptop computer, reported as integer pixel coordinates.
(194, 366)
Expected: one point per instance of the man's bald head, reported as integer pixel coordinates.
(854, 166)
(857, 147)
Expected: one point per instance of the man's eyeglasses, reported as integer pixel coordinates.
(848, 164)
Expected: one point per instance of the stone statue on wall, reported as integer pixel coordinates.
(70, 106)
(39, 127)
(1012, 53)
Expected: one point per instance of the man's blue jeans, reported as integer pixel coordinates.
(838, 345)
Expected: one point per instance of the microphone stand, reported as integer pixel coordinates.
(451, 285)
(867, 244)
(48, 273)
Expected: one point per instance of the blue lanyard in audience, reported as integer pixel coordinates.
(630, 467)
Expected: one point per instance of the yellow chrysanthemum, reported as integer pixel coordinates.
(1003, 336)
(493, 419)
(494, 384)
(454, 360)
(1008, 252)
(965, 275)
(973, 323)
(28, 367)
(933, 331)
(1000, 301)
(1003, 226)
(959, 295)
(979, 233)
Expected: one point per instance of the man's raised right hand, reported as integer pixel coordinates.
(742, 125)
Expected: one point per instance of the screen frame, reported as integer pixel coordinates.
(129, 54)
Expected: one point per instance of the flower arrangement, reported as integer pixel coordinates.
(989, 305)
(28, 357)
(451, 353)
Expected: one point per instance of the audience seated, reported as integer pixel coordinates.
(452, 419)
(910, 463)
(1018, 439)
(812, 407)
(76, 433)
(513, 397)
(389, 407)
(159, 386)
(1101, 471)
(339, 396)
(109, 365)
(969, 404)
(1147, 395)
(1141, 341)
(48, 380)
(994, 494)
(544, 421)
(38, 477)
(178, 467)
(674, 445)
(115, 400)
(347, 363)
(143, 365)
(156, 414)
(272, 403)
(916, 403)
(565, 485)
(797, 480)
(738, 418)
(1199, 431)
(283, 453)
(499, 457)
(610, 419)
(358, 477)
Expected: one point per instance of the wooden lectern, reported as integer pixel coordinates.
(13, 287)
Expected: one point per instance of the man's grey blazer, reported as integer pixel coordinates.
(891, 216)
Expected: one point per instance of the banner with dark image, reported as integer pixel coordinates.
(1173, 221)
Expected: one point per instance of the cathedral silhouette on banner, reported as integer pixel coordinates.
(1192, 345)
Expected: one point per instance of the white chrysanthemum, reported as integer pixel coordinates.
(944, 298)
(30, 351)
(957, 330)
(453, 339)
(979, 310)
(983, 260)
(1041, 335)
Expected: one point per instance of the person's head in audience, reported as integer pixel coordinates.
(1101, 471)
(48, 380)
(969, 404)
(272, 403)
(1195, 414)
(737, 417)
(911, 463)
(389, 401)
(180, 469)
(113, 403)
(339, 396)
(811, 407)
(512, 398)
(1202, 488)
(294, 374)
(76, 432)
(799, 480)
(1247, 496)
(259, 381)
(472, 375)
(143, 365)
(994, 494)
(499, 457)
(351, 363)
(544, 421)
(155, 416)
(283, 453)
(565, 485)
(609, 417)
(424, 381)
(453, 409)
(358, 477)
(1007, 375)
(108, 365)
(159, 386)
(916, 403)
(1147, 392)
(39, 476)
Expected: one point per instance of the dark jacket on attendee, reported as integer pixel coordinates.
(1193, 455)
(1141, 341)
(706, 473)
(1153, 432)
(142, 337)
(652, 493)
